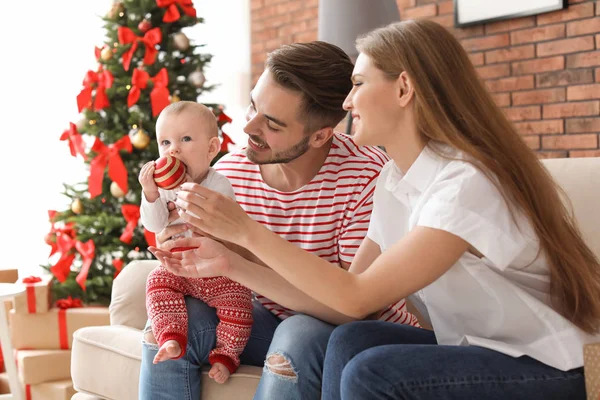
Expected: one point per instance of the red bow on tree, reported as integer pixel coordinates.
(226, 142)
(172, 13)
(62, 267)
(118, 264)
(131, 213)
(116, 169)
(69, 302)
(159, 96)
(100, 81)
(88, 252)
(150, 39)
(224, 118)
(75, 141)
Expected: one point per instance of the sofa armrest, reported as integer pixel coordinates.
(128, 299)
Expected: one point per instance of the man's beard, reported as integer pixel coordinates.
(283, 157)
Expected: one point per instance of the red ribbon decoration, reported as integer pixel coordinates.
(101, 81)
(29, 282)
(223, 118)
(150, 238)
(226, 142)
(150, 39)
(116, 169)
(75, 141)
(65, 240)
(64, 305)
(131, 212)
(118, 264)
(159, 96)
(88, 252)
(172, 13)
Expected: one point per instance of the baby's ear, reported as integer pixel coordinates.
(214, 145)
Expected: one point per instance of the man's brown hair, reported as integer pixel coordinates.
(321, 72)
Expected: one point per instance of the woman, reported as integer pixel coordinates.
(466, 221)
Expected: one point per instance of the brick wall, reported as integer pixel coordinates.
(544, 70)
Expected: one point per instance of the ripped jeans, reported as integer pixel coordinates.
(181, 379)
(294, 363)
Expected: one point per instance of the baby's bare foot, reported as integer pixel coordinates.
(219, 373)
(170, 349)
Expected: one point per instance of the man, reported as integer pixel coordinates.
(313, 187)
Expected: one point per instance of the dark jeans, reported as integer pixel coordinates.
(377, 360)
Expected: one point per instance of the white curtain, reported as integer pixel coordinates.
(47, 48)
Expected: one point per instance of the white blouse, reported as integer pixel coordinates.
(500, 301)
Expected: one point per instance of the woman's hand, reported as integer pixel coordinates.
(213, 214)
(209, 259)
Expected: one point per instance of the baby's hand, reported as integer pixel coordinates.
(146, 179)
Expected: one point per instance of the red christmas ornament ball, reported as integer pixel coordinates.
(144, 26)
(169, 172)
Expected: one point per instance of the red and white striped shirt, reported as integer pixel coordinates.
(328, 217)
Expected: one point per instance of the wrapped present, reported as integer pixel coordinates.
(55, 390)
(54, 329)
(591, 361)
(9, 275)
(38, 366)
(37, 295)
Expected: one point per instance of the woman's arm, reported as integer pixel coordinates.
(411, 264)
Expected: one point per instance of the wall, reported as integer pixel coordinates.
(544, 70)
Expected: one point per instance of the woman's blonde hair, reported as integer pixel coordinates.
(453, 106)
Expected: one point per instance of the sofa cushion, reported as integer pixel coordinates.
(106, 363)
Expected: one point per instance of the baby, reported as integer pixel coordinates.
(188, 131)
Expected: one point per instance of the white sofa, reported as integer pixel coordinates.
(106, 360)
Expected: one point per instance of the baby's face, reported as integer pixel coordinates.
(187, 138)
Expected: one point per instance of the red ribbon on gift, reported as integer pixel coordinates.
(118, 264)
(159, 96)
(30, 282)
(116, 169)
(172, 13)
(64, 305)
(88, 252)
(100, 81)
(75, 141)
(150, 39)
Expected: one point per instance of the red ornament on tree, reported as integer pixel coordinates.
(169, 172)
(144, 26)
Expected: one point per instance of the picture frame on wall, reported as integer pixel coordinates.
(472, 12)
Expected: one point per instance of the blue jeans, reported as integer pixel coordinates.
(180, 379)
(379, 360)
(301, 341)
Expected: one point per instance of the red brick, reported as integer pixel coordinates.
(273, 44)
(444, 20)
(264, 35)
(538, 96)
(567, 142)
(294, 27)
(565, 46)
(311, 4)
(533, 141)
(259, 58)
(402, 4)
(510, 54)
(277, 21)
(564, 78)
(538, 34)
(583, 125)
(264, 12)
(502, 99)
(598, 38)
(583, 92)
(494, 71)
(564, 110)
(597, 74)
(510, 84)
(471, 31)
(573, 12)
(257, 47)
(581, 60)
(583, 27)
(552, 154)
(430, 10)
(523, 113)
(256, 4)
(305, 13)
(446, 7)
(476, 58)
(584, 153)
(485, 43)
(549, 127)
(304, 37)
(509, 25)
(538, 65)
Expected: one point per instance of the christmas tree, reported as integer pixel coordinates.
(145, 63)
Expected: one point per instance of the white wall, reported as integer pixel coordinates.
(42, 65)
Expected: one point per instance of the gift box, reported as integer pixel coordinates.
(9, 275)
(37, 295)
(38, 366)
(54, 329)
(56, 390)
(591, 370)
